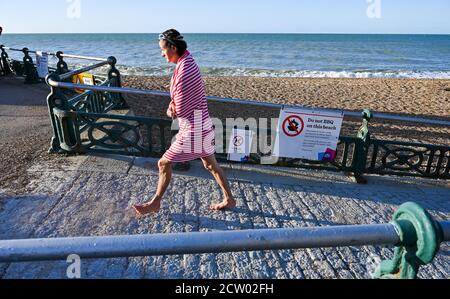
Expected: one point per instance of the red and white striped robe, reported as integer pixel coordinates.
(196, 136)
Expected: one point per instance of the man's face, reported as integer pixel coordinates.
(168, 52)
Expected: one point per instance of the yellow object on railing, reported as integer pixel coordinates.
(86, 79)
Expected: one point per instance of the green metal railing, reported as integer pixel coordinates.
(405, 158)
(82, 124)
(25, 68)
(67, 129)
(119, 134)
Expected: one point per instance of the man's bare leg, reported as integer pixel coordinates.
(154, 205)
(214, 168)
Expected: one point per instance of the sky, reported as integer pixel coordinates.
(226, 16)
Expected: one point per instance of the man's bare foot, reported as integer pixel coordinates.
(150, 207)
(226, 204)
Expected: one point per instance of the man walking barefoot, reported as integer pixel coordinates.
(188, 104)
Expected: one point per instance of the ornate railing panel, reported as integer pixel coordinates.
(411, 159)
(119, 134)
(94, 101)
(82, 132)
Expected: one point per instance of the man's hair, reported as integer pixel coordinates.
(172, 37)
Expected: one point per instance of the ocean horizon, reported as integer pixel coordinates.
(306, 55)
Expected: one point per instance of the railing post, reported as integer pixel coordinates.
(4, 64)
(69, 132)
(61, 66)
(31, 75)
(362, 148)
(116, 81)
(420, 237)
(55, 99)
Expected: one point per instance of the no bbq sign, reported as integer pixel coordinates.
(293, 126)
(307, 134)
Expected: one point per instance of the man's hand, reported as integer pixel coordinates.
(171, 111)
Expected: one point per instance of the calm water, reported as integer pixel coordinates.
(275, 55)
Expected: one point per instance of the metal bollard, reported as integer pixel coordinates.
(31, 75)
(115, 81)
(55, 99)
(61, 66)
(4, 63)
(362, 148)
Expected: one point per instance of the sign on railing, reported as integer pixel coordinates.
(308, 134)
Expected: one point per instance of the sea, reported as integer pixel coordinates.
(260, 55)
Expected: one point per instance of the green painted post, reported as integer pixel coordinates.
(4, 64)
(420, 238)
(31, 75)
(362, 148)
(2, 72)
(55, 99)
(116, 81)
(68, 129)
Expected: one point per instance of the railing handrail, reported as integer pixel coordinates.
(29, 51)
(377, 115)
(197, 242)
(56, 54)
(82, 70)
(83, 57)
(203, 242)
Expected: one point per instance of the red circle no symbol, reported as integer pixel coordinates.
(293, 126)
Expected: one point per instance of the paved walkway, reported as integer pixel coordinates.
(92, 196)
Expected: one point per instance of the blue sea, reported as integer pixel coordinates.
(262, 55)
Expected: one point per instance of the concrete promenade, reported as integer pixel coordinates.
(92, 196)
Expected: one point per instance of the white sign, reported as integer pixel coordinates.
(88, 81)
(240, 145)
(42, 64)
(307, 134)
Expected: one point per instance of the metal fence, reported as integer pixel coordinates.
(416, 235)
(140, 136)
(27, 68)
